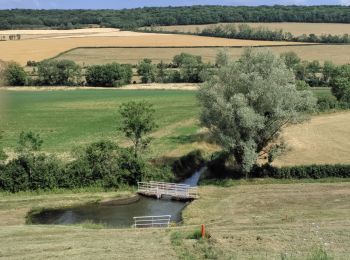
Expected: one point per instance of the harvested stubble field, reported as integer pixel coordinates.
(74, 33)
(339, 54)
(294, 28)
(324, 139)
(265, 221)
(39, 49)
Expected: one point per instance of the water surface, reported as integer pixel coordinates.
(116, 215)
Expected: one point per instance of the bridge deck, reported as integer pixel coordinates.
(174, 190)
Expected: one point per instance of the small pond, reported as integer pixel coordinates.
(115, 215)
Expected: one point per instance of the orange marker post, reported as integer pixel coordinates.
(203, 231)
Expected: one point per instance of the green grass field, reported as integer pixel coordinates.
(66, 119)
(69, 118)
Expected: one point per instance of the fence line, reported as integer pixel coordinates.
(158, 189)
(152, 221)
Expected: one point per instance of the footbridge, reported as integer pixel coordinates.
(173, 190)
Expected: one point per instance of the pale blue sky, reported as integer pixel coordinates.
(119, 4)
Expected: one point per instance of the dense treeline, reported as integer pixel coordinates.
(184, 68)
(244, 31)
(134, 18)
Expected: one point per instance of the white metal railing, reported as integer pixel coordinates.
(152, 221)
(163, 188)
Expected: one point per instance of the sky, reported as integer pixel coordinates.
(120, 4)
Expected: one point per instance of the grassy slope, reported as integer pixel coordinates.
(69, 118)
(66, 119)
(269, 220)
(244, 221)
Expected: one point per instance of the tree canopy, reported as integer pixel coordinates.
(137, 120)
(133, 18)
(248, 102)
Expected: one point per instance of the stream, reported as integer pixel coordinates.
(113, 216)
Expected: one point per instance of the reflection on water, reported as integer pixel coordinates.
(116, 216)
(111, 216)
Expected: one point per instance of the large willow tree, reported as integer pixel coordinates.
(249, 101)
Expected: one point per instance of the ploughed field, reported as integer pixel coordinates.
(70, 118)
(46, 46)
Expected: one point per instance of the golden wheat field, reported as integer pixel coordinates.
(339, 54)
(39, 49)
(294, 28)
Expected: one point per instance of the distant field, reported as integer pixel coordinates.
(74, 33)
(39, 49)
(294, 28)
(339, 54)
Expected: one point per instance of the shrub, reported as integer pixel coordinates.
(326, 103)
(184, 58)
(32, 63)
(341, 84)
(59, 73)
(147, 71)
(104, 164)
(302, 172)
(108, 75)
(15, 75)
(31, 172)
(29, 141)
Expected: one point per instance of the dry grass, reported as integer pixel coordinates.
(25, 242)
(294, 28)
(324, 139)
(39, 49)
(339, 54)
(266, 221)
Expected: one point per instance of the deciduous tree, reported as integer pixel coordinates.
(137, 121)
(248, 103)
